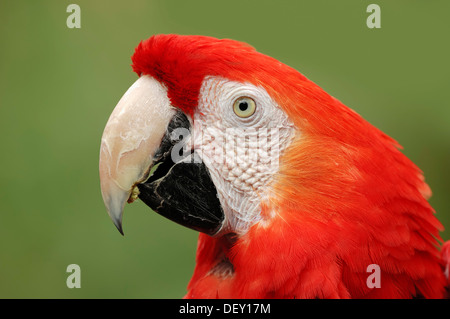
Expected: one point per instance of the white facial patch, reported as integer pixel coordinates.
(241, 153)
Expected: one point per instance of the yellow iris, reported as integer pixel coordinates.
(244, 107)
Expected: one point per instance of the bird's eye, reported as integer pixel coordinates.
(244, 107)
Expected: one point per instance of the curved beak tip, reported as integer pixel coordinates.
(118, 224)
(114, 199)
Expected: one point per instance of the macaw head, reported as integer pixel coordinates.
(278, 176)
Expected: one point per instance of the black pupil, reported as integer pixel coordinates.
(243, 106)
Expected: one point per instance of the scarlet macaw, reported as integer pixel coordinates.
(294, 194)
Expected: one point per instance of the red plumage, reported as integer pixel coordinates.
(345, 196)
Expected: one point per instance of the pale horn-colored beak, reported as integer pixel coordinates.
(131, 137)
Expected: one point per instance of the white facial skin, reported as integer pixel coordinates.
(241, 153)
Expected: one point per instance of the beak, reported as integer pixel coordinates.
(131, 137)
(141, 133)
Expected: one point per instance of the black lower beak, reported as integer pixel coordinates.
(183, 191)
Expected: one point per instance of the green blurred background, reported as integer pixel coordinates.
(58, 87)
